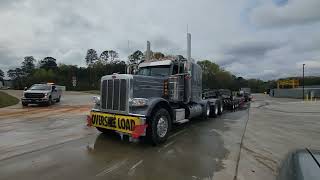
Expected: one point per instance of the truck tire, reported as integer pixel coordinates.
(24, 104)
(159, 126)
(206, 111)
(220, 109)
(214, 111)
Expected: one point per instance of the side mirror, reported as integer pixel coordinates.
(25, 88)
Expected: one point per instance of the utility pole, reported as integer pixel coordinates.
(303, 81)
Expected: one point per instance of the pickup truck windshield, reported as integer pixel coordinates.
(40, 87)
(154, 71)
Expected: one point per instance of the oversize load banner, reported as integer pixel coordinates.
(115, 122)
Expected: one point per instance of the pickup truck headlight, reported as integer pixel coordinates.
(96, 100)
(46, 95)
(138, 102)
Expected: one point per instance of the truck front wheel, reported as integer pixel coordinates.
(159, 126)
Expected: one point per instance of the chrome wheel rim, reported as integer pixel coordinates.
(208, 110)
(162, 127)
(216, 110)
(221, 108)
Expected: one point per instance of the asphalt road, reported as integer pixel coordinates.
(277, 127)
(55, 143)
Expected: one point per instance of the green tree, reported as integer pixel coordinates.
(113, 55)
(42, 75)
(158, 55)
(209, 71)
(104, 56)
(1, 74)
(28, 65)
(91, 57)
(16, 76)
(136, 57)
(48, 63)
(109, 56)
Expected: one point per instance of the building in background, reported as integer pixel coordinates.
(309, 92)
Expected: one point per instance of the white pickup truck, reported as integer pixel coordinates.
(41, 94)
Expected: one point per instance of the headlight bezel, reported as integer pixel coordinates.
(96, 99)
(138, 102)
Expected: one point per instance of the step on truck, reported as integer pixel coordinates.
(146, 104)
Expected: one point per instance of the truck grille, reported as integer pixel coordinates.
(34, 95)
(114, 95)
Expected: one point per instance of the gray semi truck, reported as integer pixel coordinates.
(160, 94)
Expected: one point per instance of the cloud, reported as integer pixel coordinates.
(294, 12)
(313, 64)
(222, 31)
(7, 59)
(251, 49)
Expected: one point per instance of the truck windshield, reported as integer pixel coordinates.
(40, 87)
(154, 71)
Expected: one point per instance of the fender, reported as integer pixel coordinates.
(154, 102)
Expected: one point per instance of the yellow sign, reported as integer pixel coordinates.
(292, 83)
(116, 122)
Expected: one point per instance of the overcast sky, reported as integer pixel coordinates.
(263, 39)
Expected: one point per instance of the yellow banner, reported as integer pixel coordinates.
(115, 122)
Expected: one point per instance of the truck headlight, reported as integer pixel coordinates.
(96, 99)
(46, 95)
(138, 102)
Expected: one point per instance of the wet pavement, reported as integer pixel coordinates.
(54, 143)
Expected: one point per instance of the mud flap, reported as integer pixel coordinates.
(89, 121)
(139, 130)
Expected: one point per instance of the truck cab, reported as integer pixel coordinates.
(161, 92)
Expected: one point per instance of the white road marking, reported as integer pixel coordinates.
(133, 168)
(228, 120)
(166, 145)
(112, 168)
(177, 133)
(136, 165)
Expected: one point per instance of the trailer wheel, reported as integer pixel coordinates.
(159, 126)
(214, 111)
(221, 108)
(206, 111)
